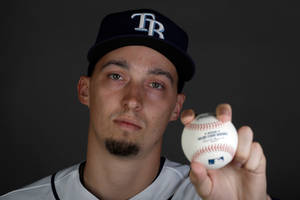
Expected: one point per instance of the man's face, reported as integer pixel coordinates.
(132, 95)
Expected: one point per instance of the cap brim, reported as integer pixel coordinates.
(182, 61)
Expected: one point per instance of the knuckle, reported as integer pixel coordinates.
(241, 157)
(247, 132)
(258, 148)
(245, 129)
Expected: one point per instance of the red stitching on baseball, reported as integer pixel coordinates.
(213, 148)
(206, 126)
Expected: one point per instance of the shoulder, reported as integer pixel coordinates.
(172, 180)
(40, 189)
(177, 170)
(184, 189)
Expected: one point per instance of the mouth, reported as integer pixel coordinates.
(128, 124)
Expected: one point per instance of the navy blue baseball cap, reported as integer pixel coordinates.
(148, 28)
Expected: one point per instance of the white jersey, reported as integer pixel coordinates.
(172, 183)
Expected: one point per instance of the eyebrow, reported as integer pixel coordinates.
(120, 63)
(123, 64)
(158, 71)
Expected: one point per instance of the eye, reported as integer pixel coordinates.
(115, 76)
(156, 85)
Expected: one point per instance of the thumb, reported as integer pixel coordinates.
(200, 179)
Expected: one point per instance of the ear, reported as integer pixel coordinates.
(178, 106)
(83, 90)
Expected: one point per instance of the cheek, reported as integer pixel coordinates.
(159, 114)
(102, 104)
(103, 107)
(160, 107)
(103, 92)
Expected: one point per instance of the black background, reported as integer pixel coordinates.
(246, 54)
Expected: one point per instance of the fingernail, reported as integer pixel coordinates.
(224, 111)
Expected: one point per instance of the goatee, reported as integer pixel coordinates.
(121, 148)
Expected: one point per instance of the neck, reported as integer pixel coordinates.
(111, 177)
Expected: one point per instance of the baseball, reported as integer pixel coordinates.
(209, 141)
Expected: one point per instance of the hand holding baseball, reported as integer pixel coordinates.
(243, 178)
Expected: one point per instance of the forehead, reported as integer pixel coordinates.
(141, 56)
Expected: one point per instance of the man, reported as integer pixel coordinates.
(137, 70)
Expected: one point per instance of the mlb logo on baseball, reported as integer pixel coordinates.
(215, 160)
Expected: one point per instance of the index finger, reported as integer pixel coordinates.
(187, 116)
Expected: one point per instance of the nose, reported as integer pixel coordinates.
(133, 97)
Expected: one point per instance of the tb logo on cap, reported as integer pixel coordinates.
(152, 24)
